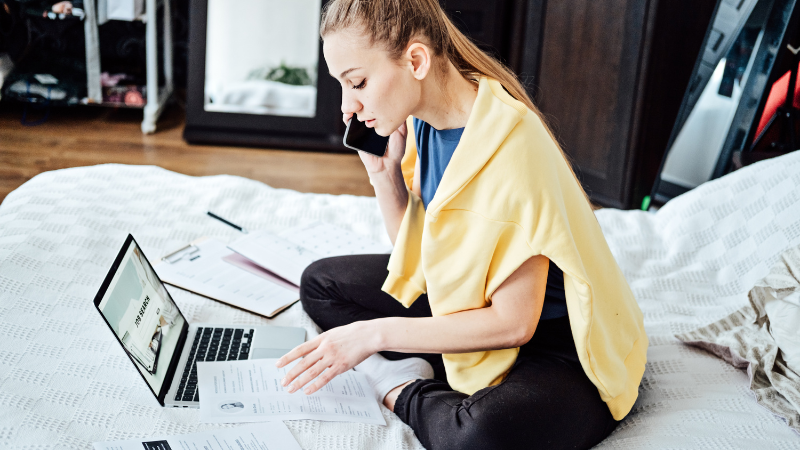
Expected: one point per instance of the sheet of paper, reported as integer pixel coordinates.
(205, 272)
(250, 391)
(289, 253)
(265, 436)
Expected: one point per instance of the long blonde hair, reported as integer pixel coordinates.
(393, 23)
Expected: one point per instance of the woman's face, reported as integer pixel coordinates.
(380, 91)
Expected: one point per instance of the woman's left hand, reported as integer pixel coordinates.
(329, 354)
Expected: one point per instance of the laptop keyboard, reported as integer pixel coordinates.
(212, 344)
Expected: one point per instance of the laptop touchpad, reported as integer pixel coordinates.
(261, 353)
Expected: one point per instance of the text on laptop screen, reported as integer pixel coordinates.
(143, 315)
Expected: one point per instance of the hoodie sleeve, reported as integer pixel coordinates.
(406, 280)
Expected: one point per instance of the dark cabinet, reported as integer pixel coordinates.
(609, 76)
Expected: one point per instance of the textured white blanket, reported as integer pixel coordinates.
(64, 382)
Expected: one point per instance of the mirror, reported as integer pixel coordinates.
(256, 75)
(262, 57)
(693, 155)
(726, 93)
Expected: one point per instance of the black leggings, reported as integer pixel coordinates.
(546, 401)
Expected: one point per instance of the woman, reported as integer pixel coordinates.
(529, 335)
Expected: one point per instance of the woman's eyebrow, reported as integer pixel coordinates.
(344, 74)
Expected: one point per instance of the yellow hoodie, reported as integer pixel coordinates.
(507, 195)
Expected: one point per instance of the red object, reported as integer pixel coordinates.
(776, 99)
(134, 98)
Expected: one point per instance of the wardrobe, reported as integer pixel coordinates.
(609, 77)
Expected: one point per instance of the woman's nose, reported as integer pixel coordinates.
(349, 103)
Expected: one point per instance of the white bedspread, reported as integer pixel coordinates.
(64, 382)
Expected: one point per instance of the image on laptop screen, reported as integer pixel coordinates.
(143, 316)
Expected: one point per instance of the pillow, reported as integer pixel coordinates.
(764, 338)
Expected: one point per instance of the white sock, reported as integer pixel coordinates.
(384, 375)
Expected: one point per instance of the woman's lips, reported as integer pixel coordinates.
(370, 123)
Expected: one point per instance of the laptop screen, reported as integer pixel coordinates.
(142, 314)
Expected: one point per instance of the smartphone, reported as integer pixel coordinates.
(360, 137)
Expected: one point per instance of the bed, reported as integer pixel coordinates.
(65, 383)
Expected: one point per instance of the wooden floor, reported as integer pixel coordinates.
(82, 136)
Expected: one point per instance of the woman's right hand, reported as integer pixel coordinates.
(386, 177)
(390, 161)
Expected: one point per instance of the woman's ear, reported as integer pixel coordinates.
(419, 56)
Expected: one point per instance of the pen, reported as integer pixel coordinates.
(242, 229)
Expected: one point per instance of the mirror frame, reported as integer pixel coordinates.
(322, 132)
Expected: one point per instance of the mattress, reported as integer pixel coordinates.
(65, 382)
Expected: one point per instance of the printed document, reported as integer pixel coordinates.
(288, 254)
(251, 391)
(265, 436)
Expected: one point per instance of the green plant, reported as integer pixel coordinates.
(296, 76)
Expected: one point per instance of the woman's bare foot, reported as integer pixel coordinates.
(391, 397)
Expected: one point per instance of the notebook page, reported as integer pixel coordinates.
(327, 240)
(289, 253)
(276, 254)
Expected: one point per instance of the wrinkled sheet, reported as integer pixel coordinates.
(761, 337)
(65, 382)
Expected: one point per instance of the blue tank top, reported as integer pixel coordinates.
(435, 148)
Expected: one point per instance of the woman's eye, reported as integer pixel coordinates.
(361, 85)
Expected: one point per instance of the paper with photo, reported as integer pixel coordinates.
(250, 391)
(266, 436)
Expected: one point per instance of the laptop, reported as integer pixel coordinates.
(159, 340)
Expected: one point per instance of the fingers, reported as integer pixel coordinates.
(368, 158)
(301, 350)
(308, 375)
(397, 143)
(322, 380)
(300, 367)
(346, 117)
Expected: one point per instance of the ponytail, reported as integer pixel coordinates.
(473, 62)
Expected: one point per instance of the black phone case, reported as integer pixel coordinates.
(362, 138)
